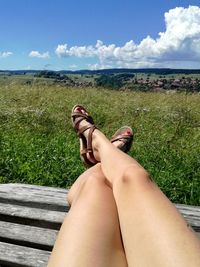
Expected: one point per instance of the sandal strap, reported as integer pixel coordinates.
(121, 138)
(77, 118)
(86, 160)
(84, 116)
(89, 145)
(89, 148)
(76, 125)
(83, 129)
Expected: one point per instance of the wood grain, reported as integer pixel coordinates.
(30, 217)
(30, 236)
(18, 256)
(34, 196)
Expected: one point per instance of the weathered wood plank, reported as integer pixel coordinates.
(26, 235)
(34, 187)
(22, 207)
(34, 196)
(31, 216)
(191, 215)
(18, 256)
(55, 199)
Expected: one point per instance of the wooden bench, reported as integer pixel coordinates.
(30, 217)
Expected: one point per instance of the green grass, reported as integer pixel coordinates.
(39, 146)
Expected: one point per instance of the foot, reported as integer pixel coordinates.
(123, 138)
(88, 134)
(84, 126)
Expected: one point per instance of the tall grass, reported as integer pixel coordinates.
(39, 146)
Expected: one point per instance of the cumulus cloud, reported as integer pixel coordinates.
(78, 51)
(178, 45)
(5, 54)
(37, 54)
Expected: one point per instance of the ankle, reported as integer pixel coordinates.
(96, 144)
(98, 140)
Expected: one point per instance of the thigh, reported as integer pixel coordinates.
(153, 231)
(90, 235)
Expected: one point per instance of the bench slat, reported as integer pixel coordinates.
(18, 256)
(55, 199)
(31, 216)
(34, 196)
(191, 215)
(30, 236)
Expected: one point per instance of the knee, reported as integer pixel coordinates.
(88, 189)
(135, 172)
(134, 177)
(94, 184)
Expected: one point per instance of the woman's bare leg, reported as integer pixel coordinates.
(90, 234)
(153, 231)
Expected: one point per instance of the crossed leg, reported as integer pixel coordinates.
(118, 195)
(90, 234)
(154, 233)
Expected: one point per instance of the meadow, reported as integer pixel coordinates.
(39, 146)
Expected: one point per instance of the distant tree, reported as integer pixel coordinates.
(108, 81)
(113, 81)
(48, 74)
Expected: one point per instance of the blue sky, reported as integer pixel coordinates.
(58, 34)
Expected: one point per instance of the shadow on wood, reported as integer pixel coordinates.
(30, 217)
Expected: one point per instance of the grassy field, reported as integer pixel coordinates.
(39, 146)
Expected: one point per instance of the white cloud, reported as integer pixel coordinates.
(97, 66)
(177, 46)
(78, 51)
(37, 54)
(73, 66)
(5, 54)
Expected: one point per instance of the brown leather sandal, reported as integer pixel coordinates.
(124, 134)
(85, 142)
